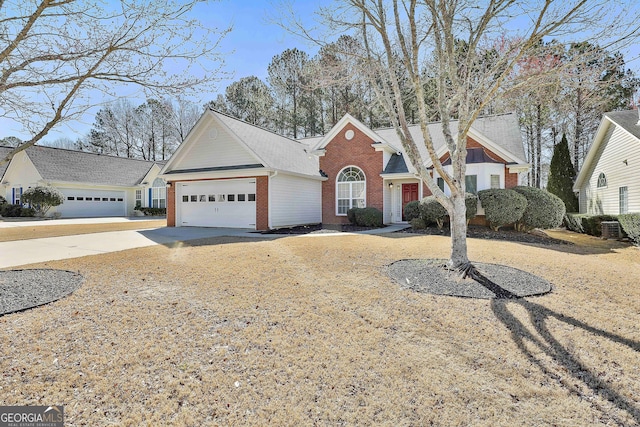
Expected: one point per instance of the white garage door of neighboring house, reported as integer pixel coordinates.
(227, 203)
(92, 203)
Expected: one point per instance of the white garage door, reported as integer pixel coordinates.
(92, 203)
(225, 203)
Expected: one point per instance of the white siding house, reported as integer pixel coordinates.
(228, 173)
(93, 184)
(609, 181)
(294, 200)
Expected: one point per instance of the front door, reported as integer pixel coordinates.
(409, 194)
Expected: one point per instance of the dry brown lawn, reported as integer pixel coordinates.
(40, 231)
(310, 331)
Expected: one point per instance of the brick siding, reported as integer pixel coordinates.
(341, 153)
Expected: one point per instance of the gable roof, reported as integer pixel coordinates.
(627, 120)
(3, 153)
(275, 151)
(62, 165)
(270, 150)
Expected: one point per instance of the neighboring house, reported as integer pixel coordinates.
(92, 184)
(228, 173)
(609, 181)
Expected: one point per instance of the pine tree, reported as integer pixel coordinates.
(562, 175)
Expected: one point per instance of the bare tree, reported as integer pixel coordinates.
(55, 55)
(409, 34)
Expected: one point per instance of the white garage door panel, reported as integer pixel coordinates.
(92, 203)
(229, 203)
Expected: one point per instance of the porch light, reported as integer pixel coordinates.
(391, 186)
(169, 184)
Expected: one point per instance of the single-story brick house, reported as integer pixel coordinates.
(93, 184)
(609, 180)
(228, 173)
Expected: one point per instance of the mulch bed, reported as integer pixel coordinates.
(319, 228)
(24, 289)
(495, 281)
(473, 231)
(480, 232)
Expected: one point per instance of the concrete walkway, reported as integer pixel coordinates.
(22, 252)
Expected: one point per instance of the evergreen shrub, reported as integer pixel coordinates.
(431, 211)
(630, 224)
(42, 198)
(351, 215)
(592, 224)
(502, 206)
(544, 210)
(471, 202)
(369, 217)
(573, 222)
(412, 210)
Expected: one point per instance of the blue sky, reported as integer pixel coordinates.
(248, 48)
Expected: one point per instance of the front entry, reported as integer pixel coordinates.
(409, 194)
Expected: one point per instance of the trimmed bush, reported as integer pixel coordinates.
(471, 202)
(418, 224)
(592, 224)
(351, 215)
(573, 222)
(153, 211)
(3, 201)
(412, 210)
(42, 198)
(431, 211)
(502, 206)
(369, 217)
(630, 224)
(8, 210)
(544, 210)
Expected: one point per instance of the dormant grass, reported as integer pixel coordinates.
(311, 331)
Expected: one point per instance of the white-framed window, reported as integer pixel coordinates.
(351, 189)
(138, 198)
(624, 200)
(159, 194)
(602, 180)
(17, 195)
(495, 181)
(471, 184)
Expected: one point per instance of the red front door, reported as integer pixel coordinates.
(409, 194)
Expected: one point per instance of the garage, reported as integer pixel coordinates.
(218, 203)
(92, 203)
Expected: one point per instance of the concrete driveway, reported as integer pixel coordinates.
(22, 252)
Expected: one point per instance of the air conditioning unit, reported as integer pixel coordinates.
(610, 230)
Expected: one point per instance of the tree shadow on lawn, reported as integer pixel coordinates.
(583, 246)
(545, 343)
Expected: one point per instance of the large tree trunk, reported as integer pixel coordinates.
(459, 259)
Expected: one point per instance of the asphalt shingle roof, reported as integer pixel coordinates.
(502, 129)
(396, 164)
(57, 164)
(628, 120)
(3, 152)
(276, 151)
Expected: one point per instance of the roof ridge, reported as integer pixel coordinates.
(257, 126)
(95, 154)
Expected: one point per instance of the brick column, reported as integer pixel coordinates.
(262, 203)
(171, 205)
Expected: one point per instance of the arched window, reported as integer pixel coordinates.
(159, 194)
(602, 180)
(350, 190)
